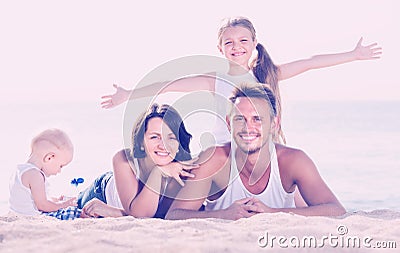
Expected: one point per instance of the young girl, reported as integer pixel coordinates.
(237, 41)
(145, 180)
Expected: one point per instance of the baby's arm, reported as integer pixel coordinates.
(360, 52)
(34, 180)
(135, 204)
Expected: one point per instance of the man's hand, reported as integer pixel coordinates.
(259, 206)
(242, 208)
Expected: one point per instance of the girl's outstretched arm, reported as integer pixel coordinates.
(121, 95)
(360, 52)
(186, 84)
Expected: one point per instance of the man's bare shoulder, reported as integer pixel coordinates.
(213, 154)
(289, 155)
(213, 159)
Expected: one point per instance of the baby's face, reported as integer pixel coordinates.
(57, 160)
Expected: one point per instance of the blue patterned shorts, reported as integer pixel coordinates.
(68, 213)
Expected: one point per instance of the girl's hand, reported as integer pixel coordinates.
(369, 52)
(178, 169)
(121, 95)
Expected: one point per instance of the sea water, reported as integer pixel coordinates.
(354, 144)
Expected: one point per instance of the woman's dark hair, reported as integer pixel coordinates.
(173, 120)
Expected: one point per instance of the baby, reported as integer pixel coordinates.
(51, 150)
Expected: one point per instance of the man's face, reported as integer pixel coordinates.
(250, 124)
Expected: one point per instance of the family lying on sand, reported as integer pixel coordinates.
(248, 171)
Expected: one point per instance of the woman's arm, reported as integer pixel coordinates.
(187, 84)
(143, 204)
(97, 208)
(360, 52)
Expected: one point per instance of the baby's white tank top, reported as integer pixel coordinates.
(21, 200)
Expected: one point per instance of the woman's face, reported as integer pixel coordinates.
(160, 143)
(237, 45)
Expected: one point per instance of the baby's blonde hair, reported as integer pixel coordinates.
(53, 136)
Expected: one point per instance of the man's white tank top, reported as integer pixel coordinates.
(273, 196)
(224, 87)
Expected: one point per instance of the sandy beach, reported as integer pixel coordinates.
(260, 233)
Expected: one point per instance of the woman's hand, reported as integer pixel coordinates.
(369, 52)
(178, 169)
(96, 208)
(121, 95)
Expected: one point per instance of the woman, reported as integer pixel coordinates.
(146, 178)
(237, 41)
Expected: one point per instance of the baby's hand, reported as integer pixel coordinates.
(58, 199)
(69, 202)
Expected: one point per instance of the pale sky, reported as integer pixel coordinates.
(75, 50)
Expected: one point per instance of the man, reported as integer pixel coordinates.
(253, 175)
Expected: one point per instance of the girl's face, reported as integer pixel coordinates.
(160, 143)
(237, 45)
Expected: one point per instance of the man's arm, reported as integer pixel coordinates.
(300, 170)
(214, 165)
(196, 190)
(239, 209)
